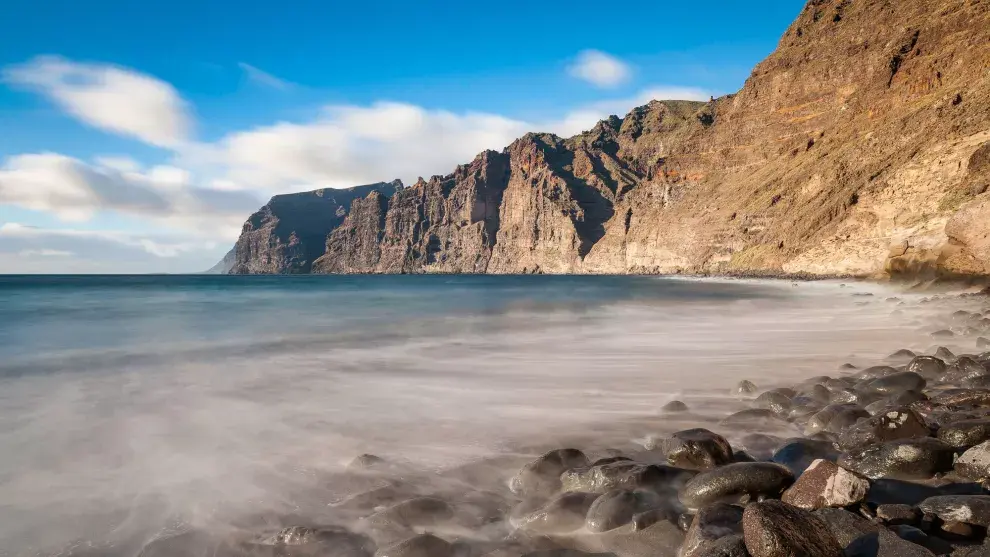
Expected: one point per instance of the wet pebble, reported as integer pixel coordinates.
(890, 425)
(904, 459)
(965, 433)
(969, 509)
(695, 449)
(825, 484)
(733, 482)
(542, 476)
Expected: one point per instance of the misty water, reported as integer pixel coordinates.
(136, 406)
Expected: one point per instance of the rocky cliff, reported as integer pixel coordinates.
(290, 231)
(861, 146)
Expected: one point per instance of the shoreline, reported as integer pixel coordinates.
(703, 492)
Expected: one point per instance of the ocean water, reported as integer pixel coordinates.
(134, 405)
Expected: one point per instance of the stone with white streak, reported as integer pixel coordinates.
(970, 509)
(826, 484)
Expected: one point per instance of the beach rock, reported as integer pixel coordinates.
(975, 462)
(618, 507)
(775, 401)
(901, 356)
(885, 544)
(711, 523)
(876, 372)
(542, 476)
(825, 484)
(846, 526)
(733, 482)
(945, 354)
(897, 382)
(643, 520)
(969, 509)
(418, 511)
(981, 382)
(943, 333)
(835, 418)
(929, 367)
(753, 417)
(893, 424)
(776, 529)
(905, 398)
(697, 449)
(564, 513)
(894, 514)
(338, 540)
(744, 388)
(761, 445)
(423, 545)
(366, 462)
(904, 459)
(728, 546)
(965, 433)
(661, 539)
(797, 454)
(674, 407)
(955, 398)
(624, 474)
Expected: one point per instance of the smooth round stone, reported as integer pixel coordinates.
(897, 382)
(885, 544)
(423, 545)
(562, 514)
(970, 509)
(418, 511)
(366, 462)
(732, 482)
(846, 526)
(975, 462)
(674, 407)
(775, 401)
(542, 476)
(876, 372)
(697, 449)
(904, 459)
(744, 388)
(901, 356)
(964, 368)
(817, 392)
(929, 367)
(761, 445)
(797, 454)
(892, 424)
(710, 524)
(825, 484)
(776, 529)
(618, 507)
(623, 475)
(821, 421)
(965, 433)
(753, 417)
(943, 333)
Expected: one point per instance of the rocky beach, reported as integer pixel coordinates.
(882, 457)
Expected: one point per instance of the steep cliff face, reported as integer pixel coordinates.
(860, 146)
(289, 232)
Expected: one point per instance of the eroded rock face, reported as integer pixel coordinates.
(807, 169)
(289, 233)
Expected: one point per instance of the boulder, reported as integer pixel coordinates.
(846, 526)
(965, 433)
(797, 454)
(974, 464)
(893, 424)
(969, 509)
(929, 367)
(885, 544)
(710, 524)
(733, 482)
(904, 459)
(541, 477)
(897, 382)
(624, 474)
(776, 529)
(564, 513)
(825, 484)
(695, 449)
(618, 507)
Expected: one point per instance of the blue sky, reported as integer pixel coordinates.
(138, 136)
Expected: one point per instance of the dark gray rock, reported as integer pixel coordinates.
(893, 515)
(945, 354)
(696, 449)
(958, 398)
(564, 513)
(776, 529)
(970, 509)
(674, 407)
(885, 544)
(897, 382)
(965, 433)
(418, 511)
(901, 356)
(846, 526)
(929, 367)
(423, 545)
(729, 546)
(904, 459)
(710, 524)
(733, 482)
(624, 474)
(835, 418)
(893, 424)
(752, 418)
(775, 401)
(975, 462)
(876, 372)
(797, 454)
(618, 507)
(744, 388)
(542, 476)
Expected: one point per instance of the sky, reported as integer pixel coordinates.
(137, 137)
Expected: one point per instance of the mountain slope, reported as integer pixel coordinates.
(860, 146)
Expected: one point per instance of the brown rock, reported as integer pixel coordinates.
(776, 529)
(826, 484)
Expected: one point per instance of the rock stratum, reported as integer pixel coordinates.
(860, 147)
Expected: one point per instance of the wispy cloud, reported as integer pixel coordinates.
(262, 77)
(45, 253)
(600, 69)
(108, 97)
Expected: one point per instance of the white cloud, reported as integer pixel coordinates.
(76, 191)
(262, 77)
(600, 69)
(154, 246)
(115, 99)
(45, 253)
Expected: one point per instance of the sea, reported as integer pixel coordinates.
(130, 405)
